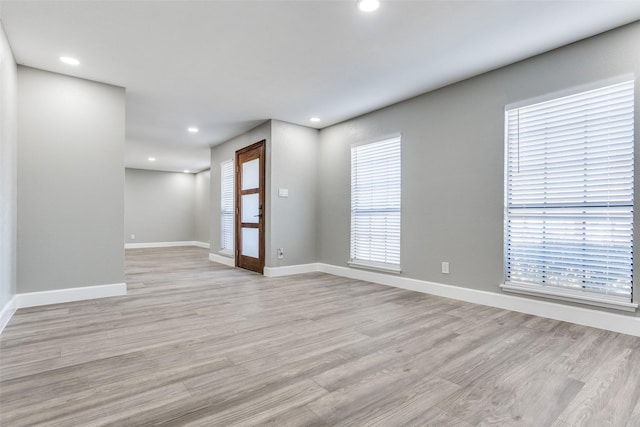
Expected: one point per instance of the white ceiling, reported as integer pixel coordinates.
(225, 66)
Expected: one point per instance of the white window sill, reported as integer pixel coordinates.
(226, 253)
(567, 295)
(375, 266)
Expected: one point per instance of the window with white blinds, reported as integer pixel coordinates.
(569, 196)
(227, 178)
(375, 205)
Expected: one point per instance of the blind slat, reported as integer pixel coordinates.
(569, 192)
(227, 179)
(375, 202)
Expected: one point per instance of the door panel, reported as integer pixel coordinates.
(251, 174)
(251, 208)
(250, 183)
(250, 242)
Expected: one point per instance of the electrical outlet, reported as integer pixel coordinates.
(133, 237)
(445, 267)
(280, 253)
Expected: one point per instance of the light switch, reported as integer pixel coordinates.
(283, 192)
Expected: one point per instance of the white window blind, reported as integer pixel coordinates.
(375, 205)
(227, 178)
(569, 195)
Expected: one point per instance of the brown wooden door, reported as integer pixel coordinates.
(250, 207)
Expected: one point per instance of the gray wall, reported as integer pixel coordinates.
(291, 163)
(159, 206)
(226, 151)
(8, 170)
(452, 160)
(202, 206)
(294, 161)
(70, 182)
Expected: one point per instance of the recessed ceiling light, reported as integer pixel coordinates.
(192, 129)
(186, 171)
(69, 60)
(368, 5)
(152, 159)
(314, 119)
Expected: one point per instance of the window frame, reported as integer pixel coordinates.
(226, 211)
(369, 263)
(556, 292)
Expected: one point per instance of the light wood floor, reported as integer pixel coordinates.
(200, 344)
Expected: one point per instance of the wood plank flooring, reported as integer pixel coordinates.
(195, 343)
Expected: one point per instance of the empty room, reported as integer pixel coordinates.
(319, 213)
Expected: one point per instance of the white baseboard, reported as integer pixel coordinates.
(34, 299)
(290, 269)
(222, 260)
(165, 244)
(6, 313)
(582, 316)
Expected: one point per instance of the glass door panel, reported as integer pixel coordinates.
(251, 174)
(250, 242)
(251, 208)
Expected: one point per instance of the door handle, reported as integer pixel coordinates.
(259, 216)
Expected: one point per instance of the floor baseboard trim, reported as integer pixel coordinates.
(201, 244)
(34, 299)
(290, 269)
(222, 260)
(165, 244)
(629, 325)
(6, 313)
